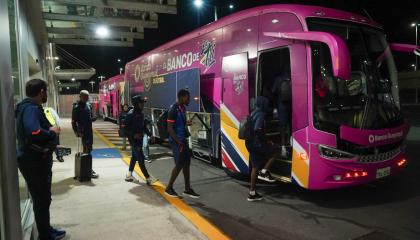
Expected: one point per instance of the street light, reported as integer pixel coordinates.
(416, 25)
(73, 79)
(198, 4)
(121, 70)
(101, 77)
(118, 60)
(231, 6)
(92, 83)
(102, 32)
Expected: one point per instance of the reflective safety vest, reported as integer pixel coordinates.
(50, 116)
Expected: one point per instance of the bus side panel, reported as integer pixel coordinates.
(300, 158)
(239, 37)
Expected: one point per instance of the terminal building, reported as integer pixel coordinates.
(30, 30)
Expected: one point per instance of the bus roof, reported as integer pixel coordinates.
(301, 11)
(117, 78)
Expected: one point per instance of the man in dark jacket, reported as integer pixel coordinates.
(261, 150)
(36, 144)
(121, 123)
(136, 127)
(82, 119)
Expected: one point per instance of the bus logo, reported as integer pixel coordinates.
(207, 54)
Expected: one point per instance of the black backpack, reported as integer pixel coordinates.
(162, 124)
(245, 128)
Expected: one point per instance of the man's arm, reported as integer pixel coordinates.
(33, 128)
(75, 120)
(172, 116)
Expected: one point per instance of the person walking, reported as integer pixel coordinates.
(261, 151)
(121, 123)
(178, 140)
(82, 119)
(36, 143)
(136, 128)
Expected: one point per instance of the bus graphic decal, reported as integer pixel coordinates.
(207, 54)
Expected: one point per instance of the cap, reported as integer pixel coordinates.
(137, 99)
(84, 92)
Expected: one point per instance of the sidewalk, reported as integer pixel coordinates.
(109, 207)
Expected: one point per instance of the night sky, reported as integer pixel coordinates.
(395, 16)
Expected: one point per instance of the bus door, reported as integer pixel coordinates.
(234, 107)
(274, 82)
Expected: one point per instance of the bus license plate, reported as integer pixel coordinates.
(383, 172)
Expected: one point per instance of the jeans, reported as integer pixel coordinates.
(37, 173)
(146, 149)
(137, 156)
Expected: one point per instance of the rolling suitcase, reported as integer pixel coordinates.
(82, 166)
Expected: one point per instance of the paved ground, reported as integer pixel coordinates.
(389, 209)
(110, 208)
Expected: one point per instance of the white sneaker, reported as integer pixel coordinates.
(150, 181)
(130, 178)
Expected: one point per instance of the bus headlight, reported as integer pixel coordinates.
(332, 153)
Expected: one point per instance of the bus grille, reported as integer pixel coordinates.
(380, 157)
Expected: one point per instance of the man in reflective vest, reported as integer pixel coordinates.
(54, 120)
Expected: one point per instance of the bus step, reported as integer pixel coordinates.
(280, 178)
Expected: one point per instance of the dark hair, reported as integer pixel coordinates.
(183, 93)
(34, 87)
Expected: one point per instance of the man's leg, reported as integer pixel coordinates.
(185, 155)
(177, 169)
(39, 185)
(253, 195)
(140, 159)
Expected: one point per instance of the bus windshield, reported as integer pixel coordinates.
(369, 100)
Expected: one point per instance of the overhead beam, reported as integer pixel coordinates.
(114, 21)
(84, 32)
(107, 43)
(121, 4)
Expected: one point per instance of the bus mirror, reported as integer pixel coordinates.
(340, 54)
(407, 48)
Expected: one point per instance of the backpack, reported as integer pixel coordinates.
(245, 128)
(162, 124)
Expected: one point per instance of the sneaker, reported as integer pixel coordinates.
(130, 178)
(148, 160)
(60, 159)
(150, 181)
(191, 194)
(266, 177)
(57, 234)
(94, 174)
(284, 152)
(171, 193)
(255, 197)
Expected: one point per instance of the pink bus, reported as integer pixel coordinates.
(345, 124)
(111, 97)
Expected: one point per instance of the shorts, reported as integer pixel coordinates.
(259, 156)
(181, 158)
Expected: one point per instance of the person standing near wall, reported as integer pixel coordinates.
(36, 144)
(82, 123)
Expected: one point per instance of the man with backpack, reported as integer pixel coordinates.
(178, 139)
(135, 128)
(261, 151)
(36, 139)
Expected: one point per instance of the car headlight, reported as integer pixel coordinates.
(333, 153)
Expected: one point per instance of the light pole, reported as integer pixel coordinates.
(91, 84)
(101, 77)
(198, 4)
(416, 25)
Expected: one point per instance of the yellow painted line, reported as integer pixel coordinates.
(207, 228)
